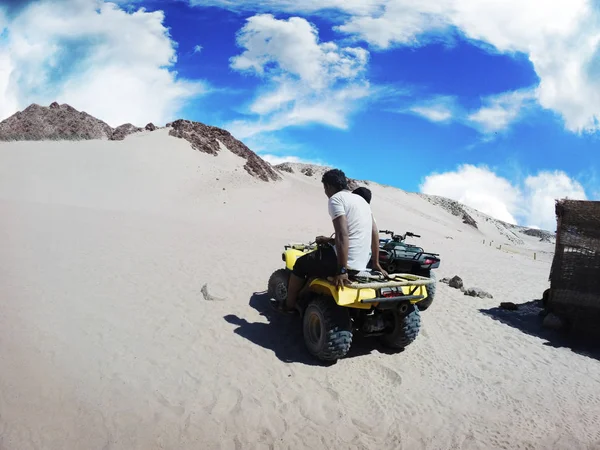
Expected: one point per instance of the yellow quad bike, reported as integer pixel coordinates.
(371, 305)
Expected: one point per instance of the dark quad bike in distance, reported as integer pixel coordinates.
(396, 256)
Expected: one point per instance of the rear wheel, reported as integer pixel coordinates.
(278, 284)
(327, 329)
(431, 288)
(406, 328)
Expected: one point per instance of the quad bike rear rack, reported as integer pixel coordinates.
(397, 280)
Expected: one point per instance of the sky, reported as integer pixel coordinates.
(494, 104)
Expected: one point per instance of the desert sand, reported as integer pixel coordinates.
(109, 341)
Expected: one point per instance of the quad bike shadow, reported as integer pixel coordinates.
(283, 335)
(280, 334)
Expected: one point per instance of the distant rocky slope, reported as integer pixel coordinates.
(63, 122)
(206, 139)
(453, 207)
(313, 170)
(508, 230)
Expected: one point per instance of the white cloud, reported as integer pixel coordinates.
(402, 22)
(294, 6)
(437, 109)
(198, 48)
(497, 112)
(542, 190)
(500, 111)
(530, 203)
(433, 113)
(477, 187)
(278, 159)
(307, 81)
(560, 37)
(93, 55)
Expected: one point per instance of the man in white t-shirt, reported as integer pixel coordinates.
(356, 240)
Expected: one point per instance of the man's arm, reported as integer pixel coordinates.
(374, 244)
(340, 224)
(375, 249)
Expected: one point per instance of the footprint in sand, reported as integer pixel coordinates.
(175, 409)
(228, 402)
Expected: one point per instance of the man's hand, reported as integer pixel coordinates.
(320, 240)
(377, 268)
(341, 280)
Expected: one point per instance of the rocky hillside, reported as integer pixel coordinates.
(469, 216)
(206, 139)
(453, 207)
(63, 122)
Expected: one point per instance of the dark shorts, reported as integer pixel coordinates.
(321, 263)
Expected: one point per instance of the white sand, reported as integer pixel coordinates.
(106, 341)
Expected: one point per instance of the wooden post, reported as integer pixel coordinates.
(534, 256)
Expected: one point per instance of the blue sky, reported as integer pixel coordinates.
(495, 105)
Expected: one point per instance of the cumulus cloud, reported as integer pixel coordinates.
(530, 203)
(542, 190)
(95, 56)
(561, 38)
(198, 48)
(477, 187)
(306, 81)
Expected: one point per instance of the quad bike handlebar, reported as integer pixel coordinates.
(399, 237)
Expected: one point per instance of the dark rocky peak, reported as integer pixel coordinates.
(54, 122)
(206, 139)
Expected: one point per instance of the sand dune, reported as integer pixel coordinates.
(108, 342)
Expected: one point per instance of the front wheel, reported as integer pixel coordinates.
(278, 284)
(406, 328)
(327, 329)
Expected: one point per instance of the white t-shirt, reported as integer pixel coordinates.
(360, 225)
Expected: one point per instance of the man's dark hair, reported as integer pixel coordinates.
(336, 179)
(364, 193)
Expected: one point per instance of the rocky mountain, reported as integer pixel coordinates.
(56, 122)
(63, 122)
(206, 139)
(59, 123)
